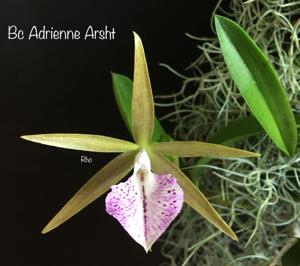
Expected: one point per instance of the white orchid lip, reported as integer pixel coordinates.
(146, 203)
(142, 160)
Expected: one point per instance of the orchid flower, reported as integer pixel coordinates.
(147, 202)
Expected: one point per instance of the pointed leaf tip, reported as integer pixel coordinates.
(142, 98)
(26, 137)
(258, 83)
(45, 231)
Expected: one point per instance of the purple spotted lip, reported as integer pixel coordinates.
(146, 203)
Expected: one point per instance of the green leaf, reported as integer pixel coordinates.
(142, 98)
(237, 130)
(109, 175)
(192, 195)
(241, 129)
(123, 93)
(83, 142)
(196, 148)
(258, 84)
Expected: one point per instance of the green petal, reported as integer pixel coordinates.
(123, 93)
(109, 175)
(142, 99)
(258, 84)
(196, 148)
(239, 129)
(83, 142)
(192, 195)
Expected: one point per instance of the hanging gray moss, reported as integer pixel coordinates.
(260, 197)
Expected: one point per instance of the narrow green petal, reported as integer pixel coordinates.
(83, 142)
(122, 86)
(196, 148)
(109, 175)
(142, 99)
(258, 84)
(192, 195)
(123, 93)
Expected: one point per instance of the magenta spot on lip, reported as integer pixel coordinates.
(145, 212)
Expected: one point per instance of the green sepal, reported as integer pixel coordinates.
(197, 148)
(97, 185)
(192, 195)
(83, 142)
(122, 86)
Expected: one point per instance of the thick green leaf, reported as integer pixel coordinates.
(196, 148)
(258, 84)
(123, 93)
(192, 195)
(83, 142)
(237, 130)
(122, 86)
(240, 129)
(109, 175)
(142, 98)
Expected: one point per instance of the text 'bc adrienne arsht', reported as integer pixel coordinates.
(50, 33)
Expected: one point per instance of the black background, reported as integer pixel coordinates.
(65, 86)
